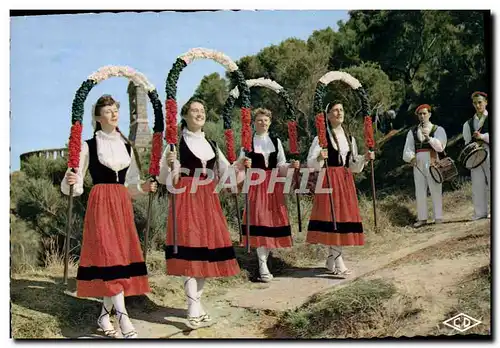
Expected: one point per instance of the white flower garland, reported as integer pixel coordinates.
(108, 71)
(200, 53)
(122, 71)
(342, 76)
(260, 82)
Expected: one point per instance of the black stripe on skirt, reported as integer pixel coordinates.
(108, 273)
(342, 227)
(269, 232)
(200, 253)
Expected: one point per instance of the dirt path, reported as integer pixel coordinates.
(247, 310)
(241, 312)
(431, 277)
(429, 287)
(295, 286)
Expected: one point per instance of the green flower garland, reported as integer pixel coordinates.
(171, 92)
(319, 108)
(77, 111)
(272, 85)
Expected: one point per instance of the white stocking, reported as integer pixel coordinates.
(262, 255)
(191, 291)
(104, 319)
(336, 255)
(200, 282)
(121, 312)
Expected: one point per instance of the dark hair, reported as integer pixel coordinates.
(330, 105)
(104, 100)
(187, 105)
(107, 100)
(346, 131)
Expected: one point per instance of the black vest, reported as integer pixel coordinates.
(99, 172)
(334, 158)
(258, 160)
(189, 160)
(484, 129)
(421, 145)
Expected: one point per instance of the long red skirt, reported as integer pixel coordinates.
(349, 227)
(111, 258)
(269, 224)
(203, 240)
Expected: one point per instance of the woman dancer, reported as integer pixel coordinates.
(111, 262)
(204, 244)
(343, 160)
(269, 225)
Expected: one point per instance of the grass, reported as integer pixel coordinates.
(340, 313)
(42, 309)
(23, 327)
(462, 195)
(24, 245)
(375, 307)
(472, 244)
(368, 308)
(473, 293)
(39, 296)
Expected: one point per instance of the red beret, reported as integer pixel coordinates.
(479, 93)
(423, 106)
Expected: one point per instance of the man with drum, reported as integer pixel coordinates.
(423, 143)
(476, 154)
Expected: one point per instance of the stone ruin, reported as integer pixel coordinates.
(140, 134)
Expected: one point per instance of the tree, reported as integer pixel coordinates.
(297, 66)
(435, 54)
(214, 91)
(402, 58)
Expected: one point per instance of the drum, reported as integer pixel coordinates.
(443, 170)
(473, 155)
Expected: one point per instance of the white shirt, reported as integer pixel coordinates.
(477, 123)
(200, 147)
(355, 166)
(437, 142)
(112, 153)
(263, 144)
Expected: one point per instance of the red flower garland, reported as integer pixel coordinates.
(171, 121)
(156, 148)
(246, 129)
(368, 132)
(231, 155)
(321, 129)
(75, 145)
(292, 137)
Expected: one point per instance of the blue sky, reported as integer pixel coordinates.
(52, 55)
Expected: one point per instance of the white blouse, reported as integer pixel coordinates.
(263, 144)
(437, 142)
(112, 153)
(477, 123)
(200, 147)
(355, 166)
